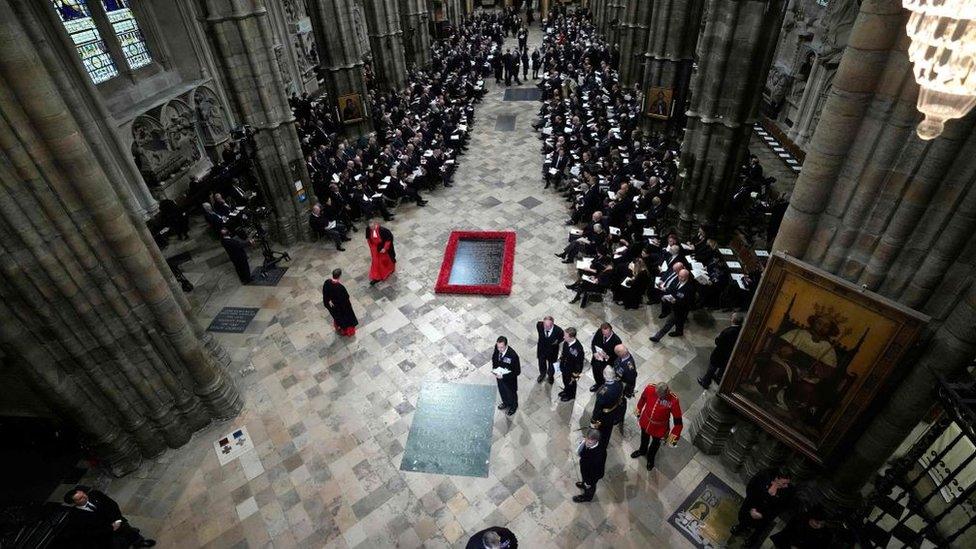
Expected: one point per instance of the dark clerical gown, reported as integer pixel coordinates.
(336, 300)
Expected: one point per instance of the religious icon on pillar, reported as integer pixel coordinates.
(351, 108)
(658, 102)
(814, 352)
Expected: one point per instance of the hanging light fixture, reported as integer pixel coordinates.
(943, 51)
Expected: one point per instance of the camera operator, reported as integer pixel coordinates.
(237, 252)
(323, 224)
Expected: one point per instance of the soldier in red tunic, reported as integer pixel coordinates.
(656, 409)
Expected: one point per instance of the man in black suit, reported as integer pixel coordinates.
(768, 493)
(679, 301)
(604, 340)
(719, 358)
(592, 462)
(570, 364)
(547, 349)
(322, 226)
(495, 537)
(236, 249)
(95, 520)
(664, 284)
(505, 358)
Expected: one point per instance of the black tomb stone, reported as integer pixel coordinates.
(233, 320)
(477, 262)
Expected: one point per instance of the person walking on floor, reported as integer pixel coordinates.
(381, 251)
(722, 352)
(336, 300)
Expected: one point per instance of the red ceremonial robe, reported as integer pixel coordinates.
(382, 253)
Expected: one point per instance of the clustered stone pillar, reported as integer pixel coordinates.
(415, 20)
(614, 14)
(386, 43)
(633, 40)
(670, 50)
(341, 54)
(735, 53)
(879, 207)
(243, 45)
(884, 210)
(455, 11)
(88, 309)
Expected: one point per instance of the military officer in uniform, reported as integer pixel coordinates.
(656, 410)
(571, 359)
(604, 340)
(626, 370)
(547, 349)
(506, 368)
(609, 407)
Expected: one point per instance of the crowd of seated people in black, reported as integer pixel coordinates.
(619, 182)
(419, 132)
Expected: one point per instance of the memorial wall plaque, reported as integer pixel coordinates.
(451, 430)
(233, 320)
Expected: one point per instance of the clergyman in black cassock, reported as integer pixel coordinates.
(336, 300)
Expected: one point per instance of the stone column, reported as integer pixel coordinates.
(885, 210)
(734, 56)
(241, 37)
(633, 40)
(415, 21)
(670, 51)
(613, 19)
(341, 52)
(594, 7)
(386, 43)
(87, 305)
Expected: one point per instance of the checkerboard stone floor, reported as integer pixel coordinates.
(329, 417)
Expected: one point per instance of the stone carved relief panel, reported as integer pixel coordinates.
(211, 120)
(165, 142)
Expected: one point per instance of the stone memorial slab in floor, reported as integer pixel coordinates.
(707, 514)
(451, 430)
(523, 94)
(505, 123)
(271, 278)
(233, 320)
(477, 262)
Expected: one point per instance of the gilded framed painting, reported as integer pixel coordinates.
(813, 354)
(657, 102)
(351, 108)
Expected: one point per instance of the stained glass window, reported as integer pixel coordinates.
(80, 26)
(127, 30)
